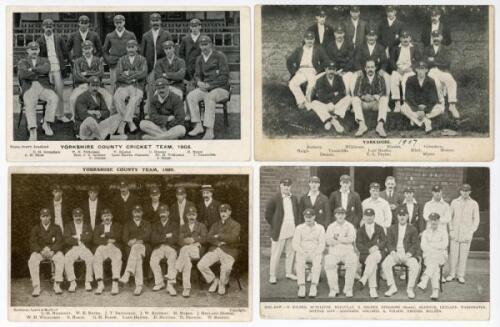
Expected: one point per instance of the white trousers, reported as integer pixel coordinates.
(276, 250)
(90, 129)
(162, 133)
(78, 252)
(34, 267)
(108, 98)
(300, 266)
(350, 261)
(164, 251)
(382, 106)
(400, 258)
(104, 252)
(399, 79)
(432, 262)
(445, 83)
(326, 110)
(134, 263)
(226, 264)
(57, 80)
(210, 100)
(371, 264)
(184, 264)
(32, 95)
(303, 75)
(459, 252)
(134, 95)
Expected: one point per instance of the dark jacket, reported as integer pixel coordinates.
(363, 86)
(319, 58)
(141, 232)
(174, 211)
(364, 243)
(199, 233)
(388, 36)
(378, 55)
(425, 94)
(360, 32)
(440, 59)
(74, 44)
(148, 47)
(122, 211)
(39, 72)
(40, 238)
(396, 199)
(228, 233)
(327, 35)
(85, 237)
(274, 214)
(66, 211)
(189, 51)
(417, 218)
(137, 71)
(426, 33)
(411, 243)
(172, 106)
(159, 233)
(321, 207)
(116, 47)
(415, 56)
(215, 71)
(209, 215)
(86, 212)
(150, 213)
(115, 233)
(86, 102)
(80, 66)
(354, 210)
(61, 51)
(343, 56)
(326, 93)
(174, 73)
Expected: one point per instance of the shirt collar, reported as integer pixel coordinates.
(410, 45)
(284, 196)
(310, 193)
(413, 202)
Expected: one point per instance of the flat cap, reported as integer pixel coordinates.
(87, 44)
(321, 12)
(225, 207)
(155, 190)
(33, 45)
(163, 208)
(330, 65)
(207, 187)
(436, 188)
(390, 8)
(345, 178)
(436, 33)
(339, 210)
(205, 39)
(369, 212)
(123, 183)
(194, 22)
(435, 12)
(405, 34)
(161, 83)
(168, 44)
(94, 188)
(191, 210)
(131, 43)
(286, 181)
(77, 212)
(94, 80)
(421, 64)
(374, 185)
(434, 216)
(372, 32)
(106, 211)
(354, 8)
(118, 18)
(47, 21)
(44, 212)
(401, 211)
(83, 19)
(308, 35)
(408, 190)
(339, 29)
(56, 187)
(465, 187)
(155, 16)
(137, 207)
(314, 179)
(180, 190)
(309, 212)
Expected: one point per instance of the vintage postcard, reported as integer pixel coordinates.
(371, 83)
(128, 83)
(130, 244)
(409, 243)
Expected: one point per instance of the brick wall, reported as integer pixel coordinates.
(283, 28)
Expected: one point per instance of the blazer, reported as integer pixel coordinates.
(363, 86)
(39, 73)
(363, 54)
(189, 50)
(159, 233)
(388, 36)
(209, 215)
(175, 214)
(115, 233)
(426, 94)
(148, 47)
(417, 218)
(426, 33)
(137, 71)
(411, 242)
(327, 35)
(215, 71)
(227, 233)
(141, 232)
(86, 102)
(415, 56)
(86, 212)
(274, 214)
(70, 230)
(61, 51)
(326, 93)
(199, 233)
(122, 211)
(74, 44)
(150, 214)
(396, 199)
(96, 68)
(66, 211)
(364, 243)
(360, 32)
(354, 210)
(40, 238)
(319, 58)
(159, 112)
(321, 207)
(343, 56)
(440, 59)
(174, 73)
(115, 47)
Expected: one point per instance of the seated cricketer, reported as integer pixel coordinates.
(423, 101)
(78, 238)
(84, 68)
(172, 68)
(164, 234)
(224, 239)
(370, 242)
(308, 243)
(329, 99)
(370, 94)
(439, 58)
(192, 238)
(107, 236)
(33, 74)
(340, 237)
(136, 236)
(304, 64)
(131, 73)
(434, 244)
(403, 248)
(46, 244)
(93, 120)
(166, 114)
(341, 51)
(212, 86)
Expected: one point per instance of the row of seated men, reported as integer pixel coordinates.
(196, 72)
(363, 235)
(355, 65)
(96, 234)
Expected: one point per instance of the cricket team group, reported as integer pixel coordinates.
(363, 66)
(127, 232)
(367, 240)
(175, 78)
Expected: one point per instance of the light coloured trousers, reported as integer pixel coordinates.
(350, 261)
(104, 252)
(325, 110)
(381, 106)
(32, 95)
(112, 78)
(399, 79)
(300, 266)
(432, 263)
(371, 264)
(210, 100)
(78, 252)
(412, 264)
(303, 75)
(164, 251)
(134, 263)
(57, 80)
(406, 110)
(108, 98)
(127, 110)
(184, 264)
(34, 267)
(446, 83)
(226, 264)
(152, 129)
(276, 250)
(459, 251)
(90, 129)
